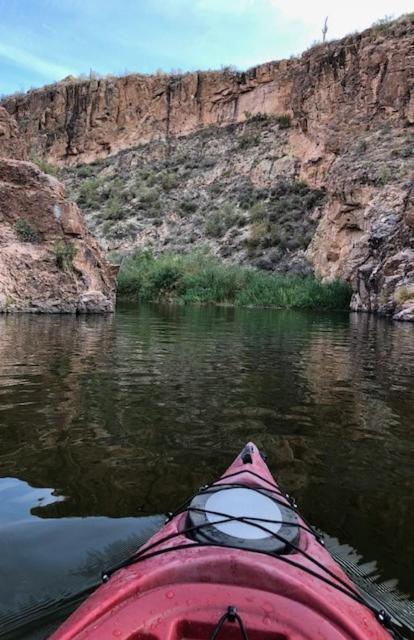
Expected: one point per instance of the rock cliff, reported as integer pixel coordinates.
(339, 119)
(11, 144)
(49, 262)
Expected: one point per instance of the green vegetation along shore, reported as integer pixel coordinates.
(200, 278)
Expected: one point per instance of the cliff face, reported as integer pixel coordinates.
(48, 260)
(333, 90)
(339, 118)
(11, 144)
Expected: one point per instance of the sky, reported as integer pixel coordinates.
(42, 41)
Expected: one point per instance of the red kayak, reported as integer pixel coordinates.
(236, 561)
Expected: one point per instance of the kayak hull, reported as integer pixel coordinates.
(182, 593)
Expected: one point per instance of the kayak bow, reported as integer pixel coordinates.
(236, 561)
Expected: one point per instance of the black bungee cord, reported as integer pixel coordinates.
(232, 616)
(150, 551)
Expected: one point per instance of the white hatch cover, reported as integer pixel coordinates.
(217, 503)
(246, 503)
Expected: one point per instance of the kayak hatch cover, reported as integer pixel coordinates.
(235, 561)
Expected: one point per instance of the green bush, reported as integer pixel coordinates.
(284, 121)
(188, 206)
(44, 165)
(247, 140)
(258, 212)
(86, 171)
(88, 195)
(168, 181)
(199, 278)
(25, 232)
(220, 221)
(114, 208)
(64, 254)
(384, 174)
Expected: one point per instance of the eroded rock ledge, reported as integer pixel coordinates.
(49, 262)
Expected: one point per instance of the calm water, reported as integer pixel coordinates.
(128, 414)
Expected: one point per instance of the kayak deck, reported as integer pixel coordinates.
(238, 555)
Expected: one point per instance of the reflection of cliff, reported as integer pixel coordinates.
(361, 385)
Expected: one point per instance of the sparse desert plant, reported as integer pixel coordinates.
(361, 146)
(168, 181)
(220, 221)
(257, 233)
(188, 206)
(284, 121)
(114, 208)
(88, 195)
(258, 211)
(403, 294)
(384, 174)
(64, 253)
(86, 171)
(44, 165)
(247, 140)
(25, 232)
(383, 23)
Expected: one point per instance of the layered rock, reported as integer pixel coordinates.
(11, 144)
(49, 262)
(332, 91)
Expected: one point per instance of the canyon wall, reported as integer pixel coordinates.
(332, 91)
(49, 262)
(339, 118)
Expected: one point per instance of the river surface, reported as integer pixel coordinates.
(104, 417)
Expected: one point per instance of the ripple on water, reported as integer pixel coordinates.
(139, 408)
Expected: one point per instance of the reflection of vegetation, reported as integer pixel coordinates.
(202, 279)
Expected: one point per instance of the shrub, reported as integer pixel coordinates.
(88, 195)
(168, 181)
(213, 226)
(215, 188)
(220, 221)
(384, 174)
(113, 208)
(188, 206)
(258, 211)
(284, 121)
(64, 254)
(200, 278)
(361, 146)
(247, 140)
(256, 117)
(403, 294)
(25, 232)
(256, 235)
(44, 165)
(383, 23)
(148, 195)
(85, 171)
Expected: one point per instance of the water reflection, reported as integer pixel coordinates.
(131, 413)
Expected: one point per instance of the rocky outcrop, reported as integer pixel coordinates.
(49, 262)
(339, 118)
(11, 145)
